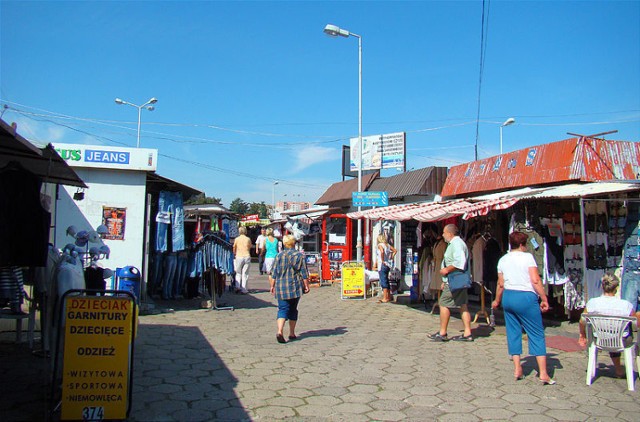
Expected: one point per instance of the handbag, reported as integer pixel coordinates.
(459, 280)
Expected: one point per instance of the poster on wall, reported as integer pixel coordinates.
(114, 219)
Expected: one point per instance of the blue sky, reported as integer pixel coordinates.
(254, 92)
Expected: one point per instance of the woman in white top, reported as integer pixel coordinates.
(385, 256)
(519, 288)
(608, 304)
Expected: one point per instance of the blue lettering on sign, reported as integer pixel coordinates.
(109, 157)
(531, 156)
(496, 165)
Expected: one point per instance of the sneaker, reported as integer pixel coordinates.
(438, 337)
(463, 338)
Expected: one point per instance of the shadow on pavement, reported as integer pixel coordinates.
(324, 332)
(178, 366)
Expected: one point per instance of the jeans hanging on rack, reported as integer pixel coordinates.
(170, 212)
(181, 273)
(170, 265)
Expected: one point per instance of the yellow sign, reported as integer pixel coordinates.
(97, 345)
(353, 283)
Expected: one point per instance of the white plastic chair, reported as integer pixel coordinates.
(607, 333)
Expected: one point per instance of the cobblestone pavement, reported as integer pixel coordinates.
(354, 361)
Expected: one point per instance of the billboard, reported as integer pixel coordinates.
(379, 151)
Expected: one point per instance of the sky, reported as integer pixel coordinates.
(254, 93)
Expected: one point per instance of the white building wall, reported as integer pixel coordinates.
(111, 188)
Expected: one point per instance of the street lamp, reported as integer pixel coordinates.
(507, 122)
(146, 106)
(335, 31)
(273, 199)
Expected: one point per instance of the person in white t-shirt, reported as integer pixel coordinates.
(608, 304)
(260, 249)
(519, 282)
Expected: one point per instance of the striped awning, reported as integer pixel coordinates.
(434, 211)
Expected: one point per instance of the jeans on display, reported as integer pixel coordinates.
(631, 259)
(171, 203)
(521, 310)
(383, 273)
(181, 274)
(156, 273)
(241, 266)
(170, 266)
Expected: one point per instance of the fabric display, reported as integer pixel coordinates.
(631, 251)
(553, 235)
(597, 228)
(617, 235)
(170, 222)
(535, 244)
(11, 288)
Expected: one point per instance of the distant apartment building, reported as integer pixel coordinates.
(292, 206)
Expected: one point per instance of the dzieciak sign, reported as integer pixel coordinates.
(98, 156)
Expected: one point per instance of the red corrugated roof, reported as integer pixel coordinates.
(575, 159)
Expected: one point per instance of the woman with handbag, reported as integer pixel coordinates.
(519, 288)
(289, 280)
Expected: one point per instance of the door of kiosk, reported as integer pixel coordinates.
(338, 244)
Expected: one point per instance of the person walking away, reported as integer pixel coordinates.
(456, 258)
(289, 280)
(260, 249)
(609, 304)
(271, 250)
(519, 289)
(385, 256)
(242, 260)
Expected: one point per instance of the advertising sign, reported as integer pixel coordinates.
(100, 156)
(115, 219)
(353, 282)
(379, 151)
(370, 199)
(97, 346)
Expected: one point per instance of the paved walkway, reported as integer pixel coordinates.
(354, 361)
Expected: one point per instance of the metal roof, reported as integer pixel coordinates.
(157, 183)
(576, 159)
(43, 162)
(340, 192)
(572, 190)
(426, 181)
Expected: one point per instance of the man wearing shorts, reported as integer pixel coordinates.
(456, 258)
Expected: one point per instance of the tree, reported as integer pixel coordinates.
(201, 199)
(239, 206)
(259, 208)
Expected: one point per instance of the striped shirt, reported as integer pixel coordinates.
(289, 269)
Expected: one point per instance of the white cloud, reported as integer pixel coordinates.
(311, 155)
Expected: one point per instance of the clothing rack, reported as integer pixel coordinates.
(214, 238)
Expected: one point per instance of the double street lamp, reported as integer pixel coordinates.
(146, 106)
(335, 31)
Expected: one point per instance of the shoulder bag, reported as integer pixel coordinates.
(459, 280)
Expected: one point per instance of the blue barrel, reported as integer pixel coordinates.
(129, 280)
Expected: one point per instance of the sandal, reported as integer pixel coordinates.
(438, 337)
(291, 338)
(280, 338)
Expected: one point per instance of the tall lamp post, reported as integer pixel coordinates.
(146, 106)
(273, 199)
(335, 31)
(507, 122)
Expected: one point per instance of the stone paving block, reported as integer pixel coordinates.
(458, 417)
(312, 410)
(209, 404)
(232, 414)
(363, 388)
(165, 388)
(386, 415)
(193, 415)
(392, 395)
(493, 414)
(567, 415)
(356, 408)
(382, 404)
(275, 412)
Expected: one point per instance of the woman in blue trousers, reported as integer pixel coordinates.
(520, 289)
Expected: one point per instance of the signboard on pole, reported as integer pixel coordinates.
(379, 151)
(370, 199)
(353, 282)
(97, 357)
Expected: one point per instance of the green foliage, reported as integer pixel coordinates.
(239, 206)
(202, 200)
(259, 208)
